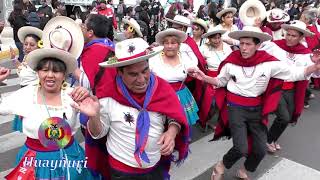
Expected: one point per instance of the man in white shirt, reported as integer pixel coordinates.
(291, 51)
(139, 114)
(250, 93)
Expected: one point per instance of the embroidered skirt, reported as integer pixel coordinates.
(68, 163)
(189, 105)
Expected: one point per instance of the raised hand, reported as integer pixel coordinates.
(79, 93)
(4, 73)
(196, 73)
(89, 106)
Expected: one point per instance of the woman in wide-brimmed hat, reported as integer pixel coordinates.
(199, 27)
(30, 37)
(131, 28)
(226, 22)
(171, 66)
(215, 50)
(49, 121)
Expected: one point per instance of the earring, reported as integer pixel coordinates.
(162, 53)
(64, 85)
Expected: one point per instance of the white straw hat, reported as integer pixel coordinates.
(26, 30)
(223, 11)
(178, 19)
(250, 11)
(277, 15)
(250, 31)
(298, 26)
(63, 33)
(129, 52)
(182, 36)
(34, 57)
(134, 24)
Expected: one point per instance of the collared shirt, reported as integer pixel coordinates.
(119, 124)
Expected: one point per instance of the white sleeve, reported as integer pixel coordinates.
(224, 76)
(7, 104)
(84, 80)
(281, 70)
(104, 119)
(185, 49)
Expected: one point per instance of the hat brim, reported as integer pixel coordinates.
(220, 13)
(304, 32)
(26, 30)
(70, 25)
(202, 24)
(258, 11)
(34, 57)
(286, 19)
(206, 35)
(240, 34)
(138, 30)
(182, 36)
(131, 61)
(177, 22)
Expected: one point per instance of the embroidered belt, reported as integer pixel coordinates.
(119, 166)
(243, 101)
(35, 144)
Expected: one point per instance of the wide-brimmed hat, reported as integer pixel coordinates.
(250, 11)
(223, 11)
(34, 57)
(181, 20)
(26, 30)
(63, 33)
(130, 51)
(250, 31)
(201, 22)
(134, 24)
(277, 15)
(182, 36)
(213, 31)
(298, 26)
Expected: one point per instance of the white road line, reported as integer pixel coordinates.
(287, 169)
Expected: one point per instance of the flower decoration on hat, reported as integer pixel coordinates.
(40, 43)
(131, 48)
(112, 60)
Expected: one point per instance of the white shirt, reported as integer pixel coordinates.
(27, 75)
(121, 134)
(279, 34)
(23, 102)
(213, 57)
(186, 51)
(171, 73)
(253, 81)
(303, 60)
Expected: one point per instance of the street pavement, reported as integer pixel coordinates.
(298, 160)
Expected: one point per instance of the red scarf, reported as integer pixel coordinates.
(164, 101)
(271, 96)
(298, 49)
(313, 41)
(300, 86)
